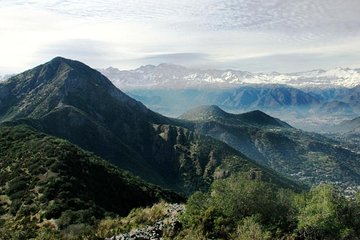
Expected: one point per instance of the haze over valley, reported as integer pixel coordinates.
(313, 100)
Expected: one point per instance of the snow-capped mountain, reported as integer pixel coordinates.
(174, 76)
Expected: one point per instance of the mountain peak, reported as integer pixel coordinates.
(215, 113)
(60, 69)
(260, 118)
(59, 58)
(256, 113)
(211, 108)
(57, 61)
(64, 82)
(205, 112)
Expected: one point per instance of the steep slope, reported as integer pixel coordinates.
(70, 100)
(44, 178)
(63, 82)
(307, 157)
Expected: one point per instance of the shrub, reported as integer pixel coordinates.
(251, 229)
(320, 217)
(137, 218)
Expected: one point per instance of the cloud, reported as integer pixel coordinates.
(209, 33)
(308, 19)
(294, 62)
(287, 16)
(90, 51)
(186, 59)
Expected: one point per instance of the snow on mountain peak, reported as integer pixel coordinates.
(175, 76)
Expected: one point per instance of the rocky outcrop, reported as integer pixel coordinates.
(168, 226)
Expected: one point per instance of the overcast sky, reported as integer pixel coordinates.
(253, 35)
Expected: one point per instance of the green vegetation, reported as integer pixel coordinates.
(242, 207)
(214, 113)
(48, 183)
(69, 100)
(137, 218)
(52, 189)
(304, 157)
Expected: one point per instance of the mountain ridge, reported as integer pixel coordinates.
(53, 181)
(175, 76)
(252, 118)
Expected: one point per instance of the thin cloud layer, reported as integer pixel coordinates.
(199, 33)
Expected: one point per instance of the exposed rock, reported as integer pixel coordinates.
(169, 226)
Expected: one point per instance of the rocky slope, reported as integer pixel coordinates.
(168, 225)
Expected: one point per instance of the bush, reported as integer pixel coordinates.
(137, 218)
(321, 216)
(14, 207)
(53, 211)
(231, 200)
(251, 229)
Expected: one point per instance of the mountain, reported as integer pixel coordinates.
(305, 99)
(266, 97)
(61, 83)
(52, 181)
(336, 107)
(307, 157)
(348, 132)
(68, 99)
(242, 98)
(348, 127)
(174, 76)
(311, 109)
(214, 113)
(5, 77)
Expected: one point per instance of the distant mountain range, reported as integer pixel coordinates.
(311, 109)
(174, 76)
(314, 100)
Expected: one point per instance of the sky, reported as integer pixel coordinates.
(252, 35)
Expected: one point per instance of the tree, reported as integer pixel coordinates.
(250, 229)
(320, 217)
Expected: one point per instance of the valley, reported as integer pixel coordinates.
(179, 120)
(71, 143)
